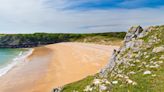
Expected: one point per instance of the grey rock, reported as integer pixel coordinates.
(104, 72)
(133, 33)
(162, 57)
(158, 49)
(57, 90)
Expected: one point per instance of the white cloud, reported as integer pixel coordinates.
(46, 16)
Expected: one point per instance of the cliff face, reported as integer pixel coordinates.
(37, 39)
(138, 43)
(30, 40)
(16, 41)
(130, 42)
(138, 66)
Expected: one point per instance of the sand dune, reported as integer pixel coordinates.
(56, 65)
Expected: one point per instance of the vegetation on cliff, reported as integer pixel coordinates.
(138, 66)
(36, 39)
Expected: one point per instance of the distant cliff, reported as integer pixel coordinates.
(138, 66)
(37, 39)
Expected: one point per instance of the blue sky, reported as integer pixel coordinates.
(108, 4)
(78, 16)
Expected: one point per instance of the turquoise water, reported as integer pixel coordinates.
(10, 58)
(7, 55)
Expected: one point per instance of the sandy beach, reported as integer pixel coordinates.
(56, 65)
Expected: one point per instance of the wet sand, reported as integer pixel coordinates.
(56, 65)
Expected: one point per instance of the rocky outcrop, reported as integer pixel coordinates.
(129, 42)
(133, 33)
(136, 56)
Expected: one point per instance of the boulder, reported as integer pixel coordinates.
(57, 90)
(147, 72)
(158, 49)
(103, 87)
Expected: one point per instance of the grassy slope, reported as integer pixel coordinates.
(101, 40)
(111, 38)
(145, 83)
(79, 85)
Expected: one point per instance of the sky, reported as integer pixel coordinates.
(78, 16)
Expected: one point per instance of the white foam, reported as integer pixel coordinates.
(19, 59)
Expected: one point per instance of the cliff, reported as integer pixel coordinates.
(37, 39)
(138, 66)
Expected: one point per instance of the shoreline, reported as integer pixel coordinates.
(15, 61)
(55, 65)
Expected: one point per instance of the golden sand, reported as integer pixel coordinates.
(56, 65)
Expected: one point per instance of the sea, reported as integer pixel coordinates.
(9, 58)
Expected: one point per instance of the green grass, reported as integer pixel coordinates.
(100, 40)
(146, 83)
(79, 85)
